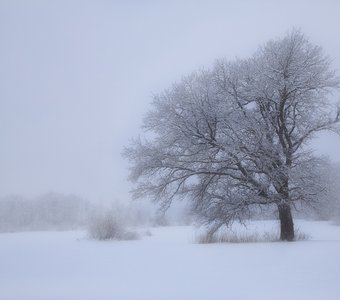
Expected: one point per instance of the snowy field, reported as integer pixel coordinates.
(169, 265)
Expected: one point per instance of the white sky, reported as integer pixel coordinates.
(76, 77)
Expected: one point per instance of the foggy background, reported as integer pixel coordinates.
(76, 78)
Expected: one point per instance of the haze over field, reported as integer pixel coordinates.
(77, 77)
(225, 96)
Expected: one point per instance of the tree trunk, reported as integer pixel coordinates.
(286, 222)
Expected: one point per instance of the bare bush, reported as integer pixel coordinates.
(108, 226)
(234, 237)
(301, 236)
(228, 236)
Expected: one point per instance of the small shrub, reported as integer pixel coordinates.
(251, 237)
(108, 227)
(301, 236)
(234, 237)
(336, 222)
(148, 233)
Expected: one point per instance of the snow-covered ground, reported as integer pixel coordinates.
(169, 265)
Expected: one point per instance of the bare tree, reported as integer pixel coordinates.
(234, 137)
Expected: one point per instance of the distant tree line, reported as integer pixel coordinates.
(56, 211)
(46, 212)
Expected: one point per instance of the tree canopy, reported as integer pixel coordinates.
(234, 137)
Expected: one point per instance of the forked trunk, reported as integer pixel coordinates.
(286, 222)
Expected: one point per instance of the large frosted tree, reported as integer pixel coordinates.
(234, 138)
